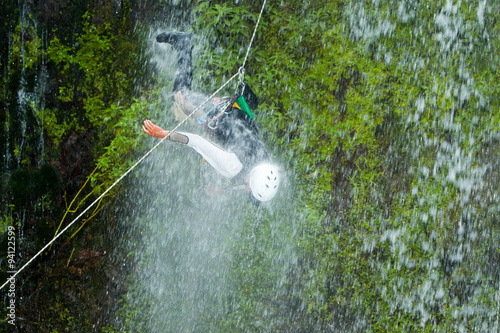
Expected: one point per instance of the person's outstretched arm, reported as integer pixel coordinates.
(224, 162)
(158, 132)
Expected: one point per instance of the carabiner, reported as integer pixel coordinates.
(241, 84)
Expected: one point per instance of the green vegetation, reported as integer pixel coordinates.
(385, 115)
(71, 85)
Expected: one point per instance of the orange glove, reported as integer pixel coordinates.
(154, 130)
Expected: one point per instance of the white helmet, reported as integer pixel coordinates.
(264, 181)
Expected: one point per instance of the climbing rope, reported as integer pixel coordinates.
(241, 70)
(139, 161)
(253, 36)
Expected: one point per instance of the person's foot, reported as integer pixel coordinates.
(183, 102)
(182, 108)
(176, 39)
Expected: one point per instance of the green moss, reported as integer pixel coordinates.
(369, 123)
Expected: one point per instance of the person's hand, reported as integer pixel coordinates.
(153, 130)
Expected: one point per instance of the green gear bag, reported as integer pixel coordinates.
(243, 106)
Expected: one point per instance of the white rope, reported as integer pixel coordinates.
(133, 166)
(253, 36)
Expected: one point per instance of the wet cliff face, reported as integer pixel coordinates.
(63, 100)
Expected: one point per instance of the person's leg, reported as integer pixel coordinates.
(181, 42)
(185, 101)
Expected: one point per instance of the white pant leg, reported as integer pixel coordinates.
(224, 162)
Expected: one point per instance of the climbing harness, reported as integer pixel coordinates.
(240, 73)
(222, 106)
(225, 106)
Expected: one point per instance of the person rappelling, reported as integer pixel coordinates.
(239, 153)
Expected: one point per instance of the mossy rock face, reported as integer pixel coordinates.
(19, 186)
(4, 179)
(44, 231)
(26, 185)
(46, 180)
